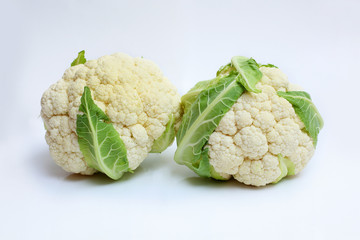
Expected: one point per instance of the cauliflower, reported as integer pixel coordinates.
(249, 123)
(126, 98)
(257, 128)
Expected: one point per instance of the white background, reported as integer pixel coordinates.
(316, 43)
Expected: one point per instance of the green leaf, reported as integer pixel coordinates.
(269, 65)
(201, 119)
(287, 167)
(202, 166)
(225, 70)
(188, 99)
(80, 59)
(248, 72)
(99, 142)
(167, 138)
(306, 110)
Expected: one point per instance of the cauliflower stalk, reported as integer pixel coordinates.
(108, 114)
(249, 123)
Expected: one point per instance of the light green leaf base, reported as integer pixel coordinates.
(287, 168)
(166, 139)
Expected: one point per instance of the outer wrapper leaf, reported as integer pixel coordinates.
(189, 98)
(202, 167)
(99, 142)
(248, 72)
(166, 139)
(201, 119)
(306, 110)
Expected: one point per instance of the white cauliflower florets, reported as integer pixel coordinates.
(258, 128)
(132, 91)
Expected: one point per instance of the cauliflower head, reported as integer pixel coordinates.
(252, 133)
(132, 92)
